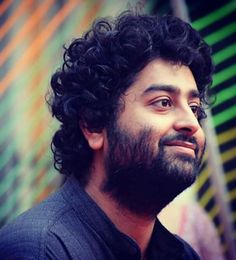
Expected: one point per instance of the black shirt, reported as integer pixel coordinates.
(70, 225)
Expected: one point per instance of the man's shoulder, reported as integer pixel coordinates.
(27, 234)
(190, 253)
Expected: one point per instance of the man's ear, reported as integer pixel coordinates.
(94, 139)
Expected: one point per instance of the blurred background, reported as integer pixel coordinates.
(32, 34)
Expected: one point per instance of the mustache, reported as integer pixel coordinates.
(179, 137)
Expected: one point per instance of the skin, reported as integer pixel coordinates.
(167, 110)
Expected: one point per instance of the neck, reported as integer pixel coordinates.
(139, 228)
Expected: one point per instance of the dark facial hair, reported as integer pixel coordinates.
(144, 178)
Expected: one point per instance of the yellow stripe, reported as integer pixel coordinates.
(204, 175)
(207, 196)
(230, 176)
(231, 195)
(228, 155)
(214, 211)
(227, 136)
(233, 216)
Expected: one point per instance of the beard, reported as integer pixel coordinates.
(143, 177)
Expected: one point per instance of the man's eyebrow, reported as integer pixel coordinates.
(169, 88)
(194, 94)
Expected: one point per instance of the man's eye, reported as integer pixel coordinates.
(162, 103)
(195, 109)
(198, 111)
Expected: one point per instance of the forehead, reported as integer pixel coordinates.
(160, 72)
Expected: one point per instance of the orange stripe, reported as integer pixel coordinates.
(5, 4)
(37, 45)
(40, 102)
(14, 16)
(32, 21)
(90, 16)
(57, 20)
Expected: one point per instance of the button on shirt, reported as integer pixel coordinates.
(70, 225)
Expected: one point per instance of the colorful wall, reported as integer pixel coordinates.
(32, 34)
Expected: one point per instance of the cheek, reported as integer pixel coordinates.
(141, 118)
(201, 139)
(161, 128)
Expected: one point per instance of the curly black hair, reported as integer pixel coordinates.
(102, 64)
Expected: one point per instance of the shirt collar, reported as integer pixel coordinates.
(162, 241)
(164, 245)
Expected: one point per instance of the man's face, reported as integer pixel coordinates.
(156, 145)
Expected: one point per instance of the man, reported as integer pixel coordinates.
(130, 99)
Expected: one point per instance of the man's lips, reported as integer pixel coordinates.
(182, 144)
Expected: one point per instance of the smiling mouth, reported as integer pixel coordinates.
(183, 146)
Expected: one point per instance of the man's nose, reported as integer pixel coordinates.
(186, 122)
